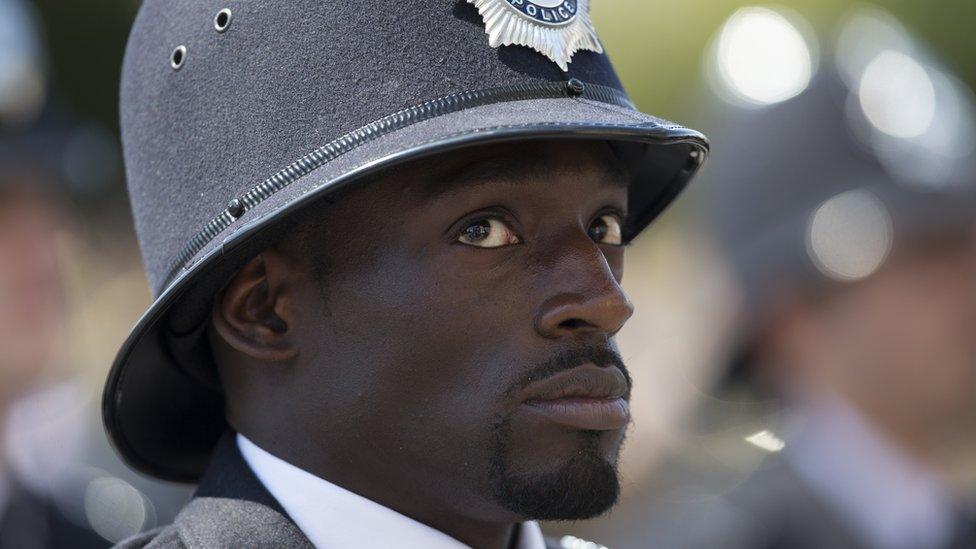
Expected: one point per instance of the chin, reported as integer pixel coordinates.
(574, 485)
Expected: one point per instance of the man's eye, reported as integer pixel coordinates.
(490, 232)
(606, 230)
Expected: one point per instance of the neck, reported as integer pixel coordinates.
(922, 446)
(433, 501)
(913, 438)
(412, 502)
(503, 538)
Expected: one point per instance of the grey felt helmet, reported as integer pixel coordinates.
(818, 196)
(237, 114)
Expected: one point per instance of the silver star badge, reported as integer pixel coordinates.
(555, 28)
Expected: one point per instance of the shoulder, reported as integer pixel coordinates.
(221, 522)
(773, 508)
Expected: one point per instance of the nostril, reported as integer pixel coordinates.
(574, 324)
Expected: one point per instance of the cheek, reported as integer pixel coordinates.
(429, 336)
(946, 346)
(916, 343)
(615, 260)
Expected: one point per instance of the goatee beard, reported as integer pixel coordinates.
(584, 486)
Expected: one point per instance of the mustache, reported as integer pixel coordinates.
(600, 354)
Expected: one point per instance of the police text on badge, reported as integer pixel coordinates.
(555, 28)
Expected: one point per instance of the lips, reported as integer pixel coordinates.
(587, 397)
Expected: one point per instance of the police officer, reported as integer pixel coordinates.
(852, 243)
(385, 243)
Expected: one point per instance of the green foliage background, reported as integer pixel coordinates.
(659, 45)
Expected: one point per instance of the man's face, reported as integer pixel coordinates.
(901, 344)
(31, 300)
(453, 324)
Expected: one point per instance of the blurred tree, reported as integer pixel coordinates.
(659, 45)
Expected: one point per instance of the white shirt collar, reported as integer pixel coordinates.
(892, 501)
(333, 517)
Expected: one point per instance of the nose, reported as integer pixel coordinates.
(592, 302)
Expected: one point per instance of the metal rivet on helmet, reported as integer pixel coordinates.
(178, 58)
(575, 87)
(235, 208)
(222, 20)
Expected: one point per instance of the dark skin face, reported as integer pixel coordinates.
(401, 347)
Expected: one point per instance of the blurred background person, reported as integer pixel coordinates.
(32, 318)
(60, 485)
(32, 308)
(847, 217)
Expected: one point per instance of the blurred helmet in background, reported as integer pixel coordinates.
(818, 185)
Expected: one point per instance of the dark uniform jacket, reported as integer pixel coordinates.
(230, 509)
(31, 522)
(776, 509)
(773, 509)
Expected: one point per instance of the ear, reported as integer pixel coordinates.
(253, 313)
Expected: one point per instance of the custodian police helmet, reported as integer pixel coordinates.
(803, 212)
(236, 114)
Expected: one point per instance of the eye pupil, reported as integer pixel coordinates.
(477, 231)
(598, 230)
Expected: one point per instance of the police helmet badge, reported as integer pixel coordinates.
(554, 28)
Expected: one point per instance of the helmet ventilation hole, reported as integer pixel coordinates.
(222, 20)
(178, 58)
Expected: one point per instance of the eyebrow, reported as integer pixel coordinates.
(502, 170)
